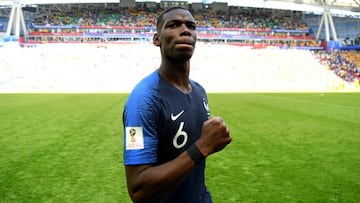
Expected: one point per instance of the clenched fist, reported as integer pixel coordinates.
(215, 136)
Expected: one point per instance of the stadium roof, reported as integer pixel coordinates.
(342, 7)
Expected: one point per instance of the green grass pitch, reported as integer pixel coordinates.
(292, 147)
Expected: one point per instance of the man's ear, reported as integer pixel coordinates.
(156, 40)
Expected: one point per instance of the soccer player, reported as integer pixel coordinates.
(168, 129)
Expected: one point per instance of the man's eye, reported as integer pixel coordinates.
(173, 25)
(191, 26)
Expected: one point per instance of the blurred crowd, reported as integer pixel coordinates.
(233, 18)
(345, 64)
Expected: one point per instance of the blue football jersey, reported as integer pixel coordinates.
(161, 122)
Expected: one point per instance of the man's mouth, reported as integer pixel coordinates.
(185, 42)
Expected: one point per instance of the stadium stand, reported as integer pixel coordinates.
(219, 67)
(345, 64)
(283, 40)
(233, 25)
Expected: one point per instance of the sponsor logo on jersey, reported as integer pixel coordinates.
(174, 118)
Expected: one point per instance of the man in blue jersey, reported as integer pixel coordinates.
(168, 129)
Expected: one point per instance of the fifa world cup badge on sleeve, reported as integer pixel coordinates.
(134, 138)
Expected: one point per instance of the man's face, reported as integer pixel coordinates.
(177, 35)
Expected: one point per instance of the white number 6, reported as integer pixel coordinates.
(179, 133)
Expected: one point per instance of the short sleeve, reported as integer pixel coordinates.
(140, 120)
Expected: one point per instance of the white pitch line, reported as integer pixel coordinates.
(311, 102)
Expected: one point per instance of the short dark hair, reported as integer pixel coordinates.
(160, 19)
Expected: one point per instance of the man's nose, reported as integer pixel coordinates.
(185, 30)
